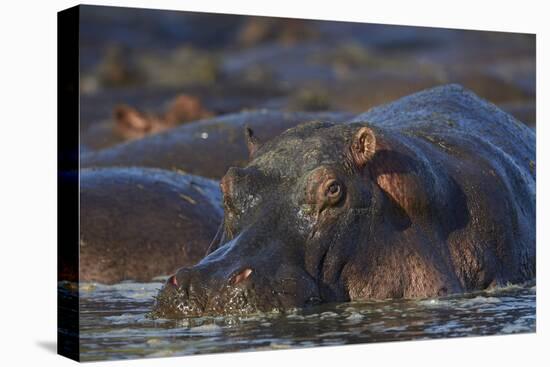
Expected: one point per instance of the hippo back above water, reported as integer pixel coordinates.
(431, 195)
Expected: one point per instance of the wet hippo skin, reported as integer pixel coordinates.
(206, 148)
(137, 224)
(430, 195)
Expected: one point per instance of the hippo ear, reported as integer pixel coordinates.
(252, 141)
(363, 146)
(130, 118)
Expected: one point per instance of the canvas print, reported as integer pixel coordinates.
(242, 183)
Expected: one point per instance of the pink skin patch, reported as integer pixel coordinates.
(172, 280)
(243, 275)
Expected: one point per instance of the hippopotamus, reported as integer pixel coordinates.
(134, 124)
(141, 223)
(431, 195)
(206, 148)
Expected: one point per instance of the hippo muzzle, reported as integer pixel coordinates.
(228, 282)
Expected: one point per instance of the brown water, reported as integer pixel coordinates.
(114, 325)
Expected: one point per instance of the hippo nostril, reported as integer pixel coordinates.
(173, 281)
(225, 184)
(241, 276)
(227, 181)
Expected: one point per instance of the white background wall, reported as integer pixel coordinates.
(28, 182)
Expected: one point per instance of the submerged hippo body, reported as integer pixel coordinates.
(431, 195)
(205, 148)
(137, 224)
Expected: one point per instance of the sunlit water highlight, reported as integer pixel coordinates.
(113, 323)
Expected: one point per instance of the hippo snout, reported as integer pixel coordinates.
(249, 272)
(201, 291)
(182, 294)
(173, 281)
(197, 292)
(241, 276)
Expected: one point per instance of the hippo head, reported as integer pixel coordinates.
(292, 219)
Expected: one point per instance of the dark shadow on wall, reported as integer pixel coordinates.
(48, 345)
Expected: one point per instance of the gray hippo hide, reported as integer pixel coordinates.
(140, 223)
(205, 148)
(431, 195)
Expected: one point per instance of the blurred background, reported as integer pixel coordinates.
(145, 71)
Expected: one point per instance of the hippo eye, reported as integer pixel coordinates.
(324, 188)
(333, 189)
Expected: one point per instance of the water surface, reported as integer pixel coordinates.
(114, 323)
